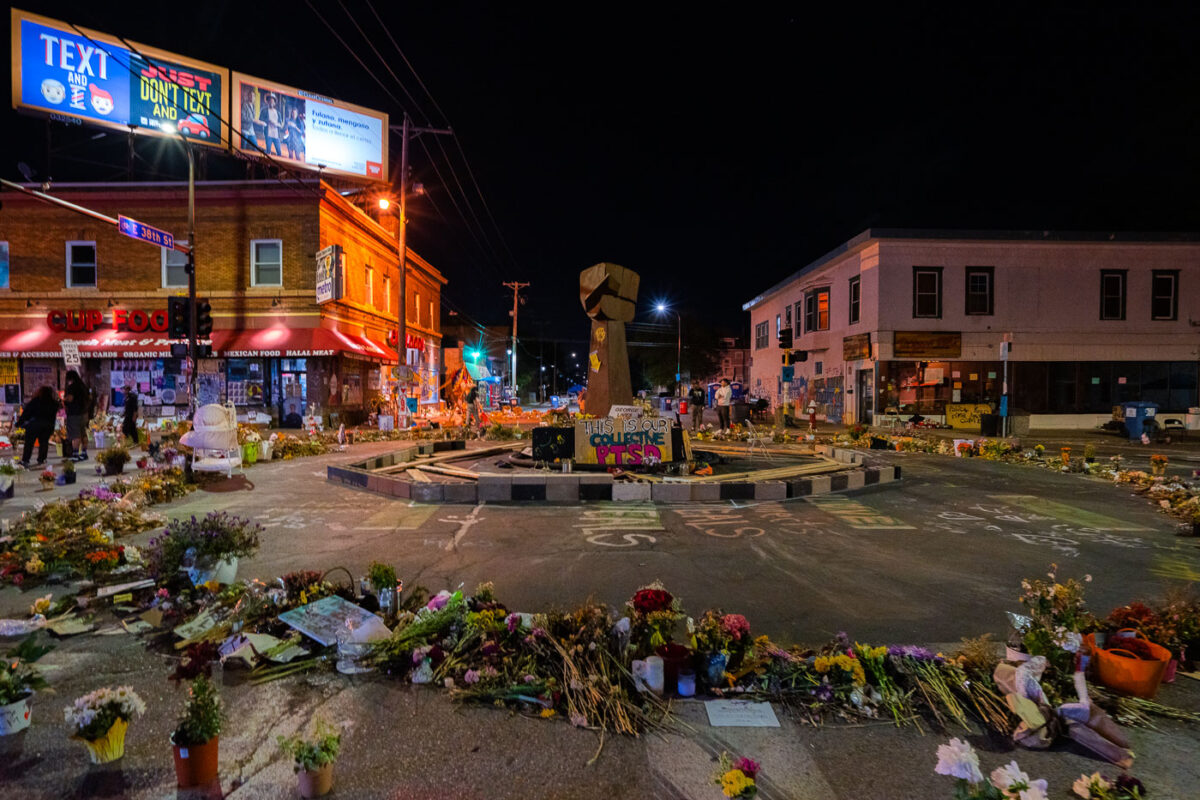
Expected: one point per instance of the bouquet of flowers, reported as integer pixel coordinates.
(92, 715)
(654, 612)
(737, 778)
(1058, 615)
(957, 759)
(1098, 787)
(215, 537)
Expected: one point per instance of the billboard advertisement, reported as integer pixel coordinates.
(308, 129)
(79, 75)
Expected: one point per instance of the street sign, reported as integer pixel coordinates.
(789, 373)
(143, 232)
(70, 351)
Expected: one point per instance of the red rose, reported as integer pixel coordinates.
(647, 601)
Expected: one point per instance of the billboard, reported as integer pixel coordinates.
(79, 75)
(308, 129)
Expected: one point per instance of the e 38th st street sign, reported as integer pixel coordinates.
(143, 232)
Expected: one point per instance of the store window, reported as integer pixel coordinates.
(432, 318)
(81, 265)
(244, 381)
(927, 292)
(761, 336)
(369, 286)
(1112, 294)
(266, 262)
(979, 290)
(1164, 294)
(816, 310)
(174, 268)
(855, 294)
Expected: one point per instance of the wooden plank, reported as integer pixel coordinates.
(420, 477)
(451, 471)
(452, 455)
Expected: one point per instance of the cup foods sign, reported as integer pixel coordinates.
(329, 274)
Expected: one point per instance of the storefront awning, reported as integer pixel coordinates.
(40, 342)
(284, 342)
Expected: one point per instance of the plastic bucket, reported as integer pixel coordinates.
(1122, 670)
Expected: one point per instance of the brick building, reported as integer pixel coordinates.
(901, 322)
(276, 349)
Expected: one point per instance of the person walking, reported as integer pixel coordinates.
(724, 398)
(76, 401)
(473, 420)
(37, 418)
(696, 400)
(129, 427)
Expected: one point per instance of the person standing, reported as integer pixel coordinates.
(724, 398)
(696, 405)
(129, 427)
(295, 135)
(473, 420)
(38, 418)
(249, 135)
(271, 118)
(75, 400)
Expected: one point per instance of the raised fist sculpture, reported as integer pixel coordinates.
(608, 293)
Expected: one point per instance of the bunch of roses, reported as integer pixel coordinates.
(647, 601)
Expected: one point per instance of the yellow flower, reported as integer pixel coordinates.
(822, 664)
(735, 782)
(34, 566)
(212, 585)
(547, 713)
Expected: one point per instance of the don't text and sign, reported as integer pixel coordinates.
(143, 232)
(622, 442)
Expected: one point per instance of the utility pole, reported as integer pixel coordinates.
(516, 287)
(407, 131)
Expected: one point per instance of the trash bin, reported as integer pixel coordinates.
(739, 413)
(1192, 419)
(1136, 414)
(989, 424)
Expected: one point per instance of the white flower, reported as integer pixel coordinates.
(1034, 792)
(958, 760)
(1084, 784)
(1011, 780)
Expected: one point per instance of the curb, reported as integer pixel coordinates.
(573, 488)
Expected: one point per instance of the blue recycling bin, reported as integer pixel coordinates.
(1136, 414)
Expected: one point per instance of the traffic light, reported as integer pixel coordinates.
(203, 318)
(177, 317)
(794, 357)
(785, 339)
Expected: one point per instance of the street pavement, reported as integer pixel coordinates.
(934, 558)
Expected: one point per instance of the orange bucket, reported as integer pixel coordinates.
(1123, 670)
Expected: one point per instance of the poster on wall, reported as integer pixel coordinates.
(308, 129)
(79, 75)
(622, 441)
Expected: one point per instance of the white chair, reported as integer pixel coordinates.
(213, 439)
(759, 440)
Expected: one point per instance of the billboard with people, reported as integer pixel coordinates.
(308, 129)
(74, 74)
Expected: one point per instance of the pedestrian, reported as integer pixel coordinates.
(473, 421)
(38, 418)
(724, 398)
(76, 400)
(696, 400)
(129, 427)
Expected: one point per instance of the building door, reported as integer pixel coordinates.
(866, 395)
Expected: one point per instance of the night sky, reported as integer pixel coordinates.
(715, 153)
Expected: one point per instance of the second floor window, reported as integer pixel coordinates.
(855, 297)
(387, 293)
(816, 310)
(266, 262)
(979, 290)
(81, 265)
(1112, 294)
(927, 292)
(761, 336)
(369, 287)
(1164, 294)
(174, 268)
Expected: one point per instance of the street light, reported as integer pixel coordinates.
(176, 136)
(662, 308)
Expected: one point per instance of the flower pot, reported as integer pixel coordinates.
(250, 452)
(14, 717)
(7, 484)
(69, 478)
(142, 463)
(108, 747)
(114, 467)
(714, 668)
(315, 782)
(58, 449)
(1158, 470)
(196, 765)
(223, 571)
(47, 485)
(675, 657)
(264, 450)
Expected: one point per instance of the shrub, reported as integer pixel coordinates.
(312, 754)
(116, 455)
(213, 538)
(202, 715)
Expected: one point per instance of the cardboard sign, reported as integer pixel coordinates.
(966, 415)
(740, 714)
(622, 442)
(625, 411)
(325, 618)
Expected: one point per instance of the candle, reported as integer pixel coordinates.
(687, 683)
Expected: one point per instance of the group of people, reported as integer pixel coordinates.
(39, 417)
(274, 127)
(722, 398)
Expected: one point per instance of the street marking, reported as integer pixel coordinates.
(464, 525)
(599, 526)
(1076, 516)
(707, 520)
(1175, 568)
(858, 515)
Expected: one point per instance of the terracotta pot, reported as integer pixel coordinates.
(316, 782)
(196, 765)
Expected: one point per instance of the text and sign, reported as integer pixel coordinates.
(616, 411)
(926, 344)
(70, 351)
(147, 233)
(856, 347)
(966, 416)
(329, 274)
(622, 442)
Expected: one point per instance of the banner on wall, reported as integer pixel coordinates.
(77, 75)
(623, 441)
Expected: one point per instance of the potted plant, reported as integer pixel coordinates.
(384, 582)
(18, 682)
(113, 459)
(196, 738)
(250, 441)
(1158, 465)
(8, 480)
(1089, 453)
(207, 547)
(1066, 456)
(47, 478)
(313, 758)
(68, 472)
(99, 719)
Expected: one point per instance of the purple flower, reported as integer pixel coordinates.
(512, 620)
(824, 693)
(1128, 783)
(529, 679)
(471, 676)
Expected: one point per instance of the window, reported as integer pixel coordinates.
(387, 293)
(81, 264)
(778, 325)
(927, 292)
(1164, 294)
(266, 262)
(855, 296)
(417, 308)
(979, 290)
(761, 336)
(799, 315)
(3, 265)
(431, 318)
(787, 316)
(369, 295)
(816, 310)
(174, 268)
(1112, 294)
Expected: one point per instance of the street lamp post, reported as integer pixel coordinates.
(661, 308)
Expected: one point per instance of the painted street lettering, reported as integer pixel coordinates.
(608, 527)
(857, 515)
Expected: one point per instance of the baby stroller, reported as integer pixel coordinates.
(213, 439)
